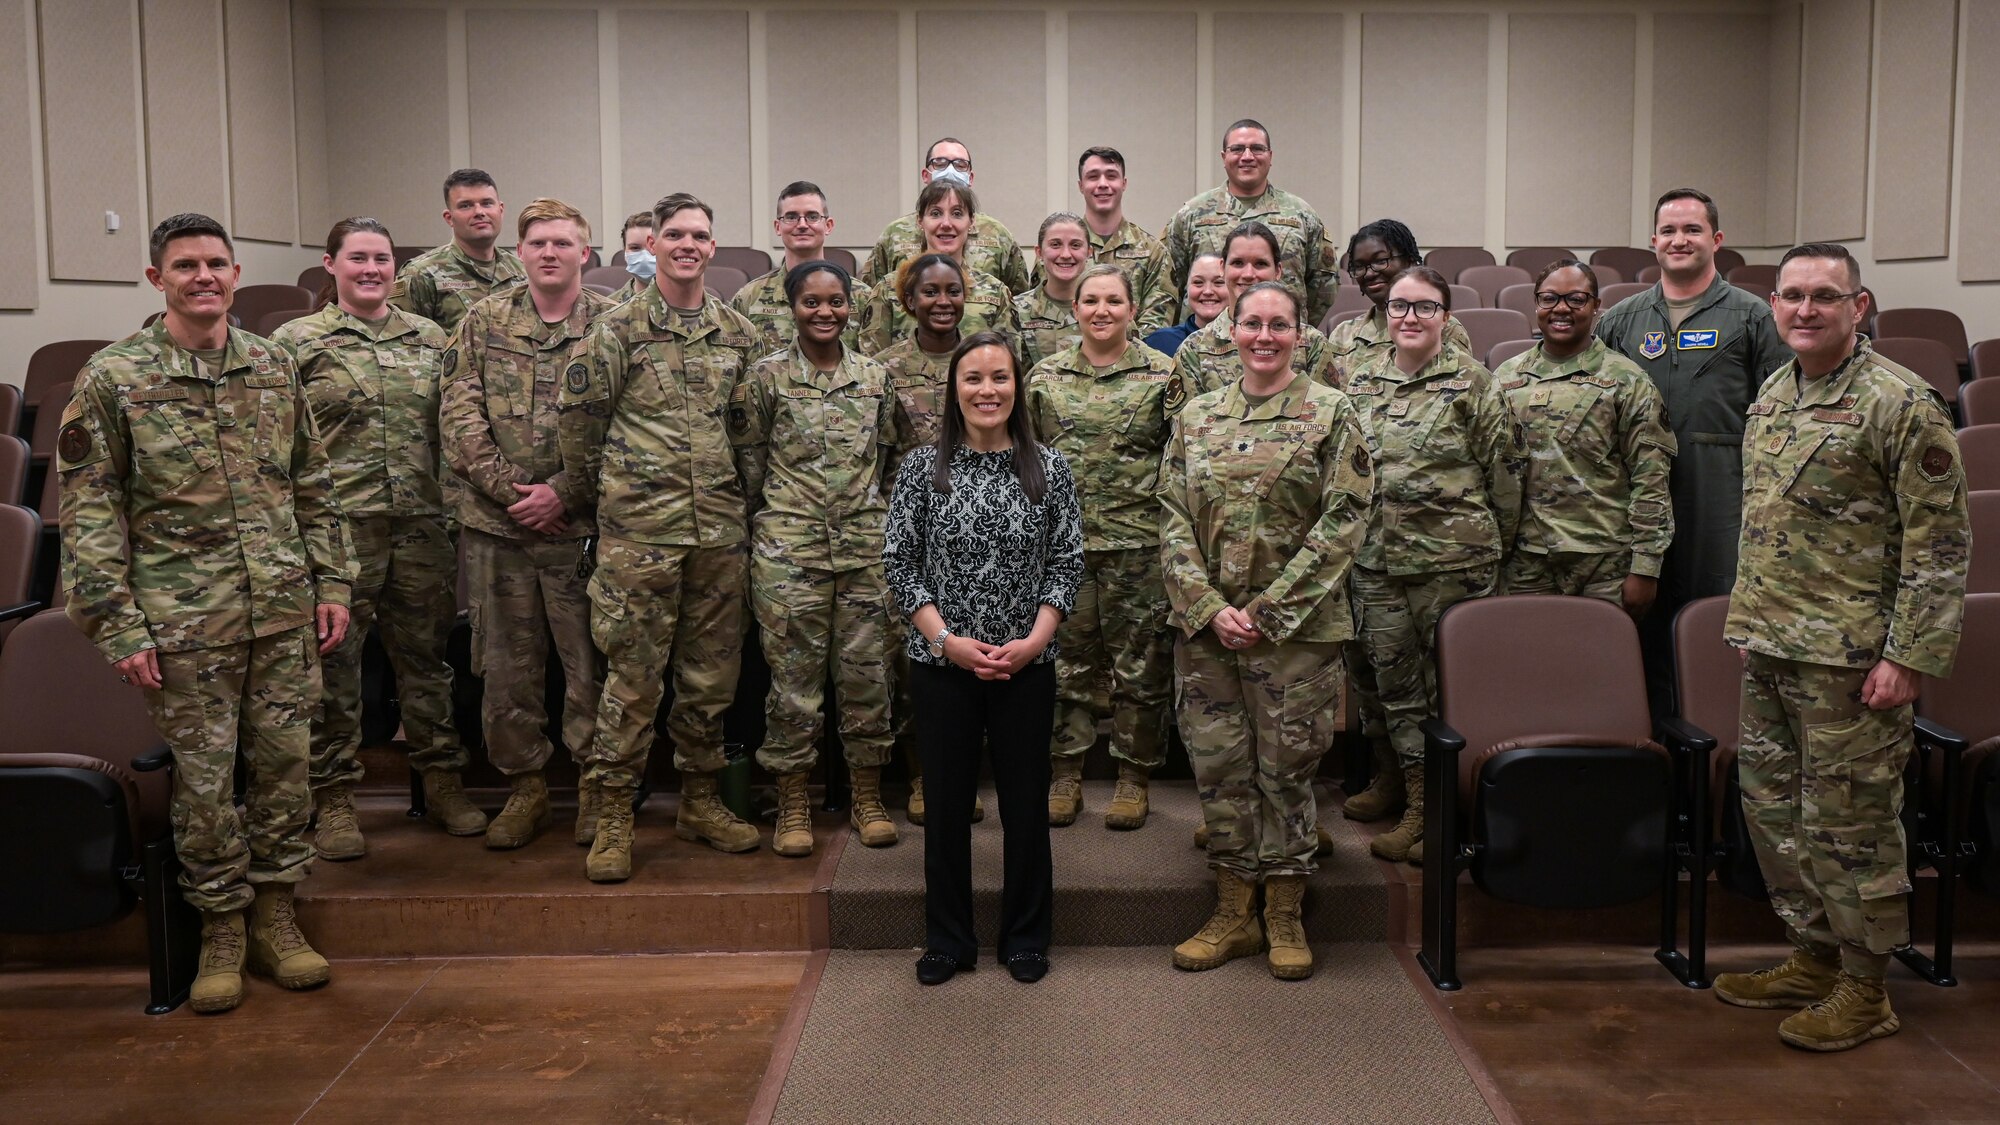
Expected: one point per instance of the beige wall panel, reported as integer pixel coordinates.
(263, 174)
(1709, 126)
(537, 137)
(667, 145)
(1284, 69)
(982, 77)
(1569, 158)
(1834, 201)
(1913, 112)
(187, 155)
(1781, 170)
(1979, 146)
(90, 138)
(857, 157)
(18, 287)
(388, 131)
(1140, 111)
(1423, 124)
(309, 110)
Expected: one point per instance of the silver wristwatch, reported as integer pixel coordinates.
(937, 642)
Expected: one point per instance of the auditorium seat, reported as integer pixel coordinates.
(1466, 297)
(1985, 359)
(1610, 295)
(1506, 350)
(611, 277)
(1760, 281)
(272, 321)
(48, 422)
(1488, 327)
(1941, 325)
(1542, 776)
(1490, 280)
(724, 281)
(254, 301)
(1627, 260)
(10, 409)
(314, 278)
(84, 791)
(1966, 704)
(20, 549)
(14, 454)
(1607, 275)
(592, 260)
(1533, 258)
(617, 258)
(1983, 575)
(1349, 299)
(1979, 402)
(751, 260)
(1925, 357)
(56, 365)
(844, 258)
(600, 290)
(1979, 446)
(403, 254)
(1726, 260)
(1452, 260)
(1649, 275)
(1520, 298)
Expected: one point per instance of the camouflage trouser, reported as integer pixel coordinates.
(522, 594)
(1119, 626)
(1394, 653)
(258, 696)
(650, 605)
(408, 587)
(1822, 780)
(1569, 572)
(1256, 724)
(815, 622)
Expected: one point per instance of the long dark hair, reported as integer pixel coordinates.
(336, 237)
(1027, 451)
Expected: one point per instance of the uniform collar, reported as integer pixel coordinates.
(663, 317)
(1832, 389)
(1716, 290)
(1259, 202)
(240, 352)
(525, 321)
(1131, 359)
(824, 381)
(1446, 362)
(1539, 366)
(1288, 403)
(488, 272)
(397, 324)
(1125, 235)
(1046, 306)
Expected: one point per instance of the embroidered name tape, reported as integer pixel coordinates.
(1697, 339)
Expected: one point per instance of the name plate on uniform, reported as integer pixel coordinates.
(1697, 339)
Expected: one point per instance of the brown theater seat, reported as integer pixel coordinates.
(611, 277)
(1968, 704)
(1985, 359)
(1610, 295)
(724, 281)
(1451, 260)
(56, 366)
(1490, 280)
(1488, 327)
(1708, 679)
(1759, 281)
(13, 470)
(1627, 260)
(312, 279)
(272, 321)
(1726, 260)
(1533, 258)
(1648, 276)
(1506, 350)
(48, 422)
(1941, 325)
(843, 258)
(1979, 446)
(11, 405)
(253, 302)
(752, 261)
(1925, 357)
(1979, 402)
(20, 549)
(1520, 298)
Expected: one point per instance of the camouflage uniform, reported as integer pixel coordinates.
(443, 283)
(1307, 257)
(645, 405)
(1599, 452)
(1155, 299)
(1447, 506)
(989, 248)
(1263, 508)
(499, 427)
(884, 320)
(1359, 340)
(1111, 428)
(374, 394)
(199, 519)
(813, 446)
(1047, 326)
(1854, 551)
(1207, 361)
(763, 301)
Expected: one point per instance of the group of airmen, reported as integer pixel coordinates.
(626, 477)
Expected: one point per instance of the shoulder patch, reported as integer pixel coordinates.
(75, 442)
(1935, 464)
(577, 378)
(450, 359)
(1360, 459)
(1176, 393)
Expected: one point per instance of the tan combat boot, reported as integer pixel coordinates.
(1201, 835)
(1322, 840)
(218, 986)
(277, 949)
(446, 805)
(1128, 801)
(1384, 795)
(794, 834)
(865, 810)
(1416, 856)
(610, 859)
(704, 817)
(1291, 957)
(1232, 931)
(1065, 791)
(1805, 978)
(1394, 845)
(526, 814)
(339, 833)
(915, 811)
(589, 805)
(1856, 1011)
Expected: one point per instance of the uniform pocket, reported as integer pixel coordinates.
(1855, 798)
(163, 450)
(1309, 710)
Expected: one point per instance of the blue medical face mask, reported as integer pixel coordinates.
(641, 264)
(949, 175)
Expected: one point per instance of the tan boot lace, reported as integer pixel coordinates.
(1846, 994)
(1069, 787)
(337, 813)
(519, 803)
(793, 816)
(285, 933)
(1281, 922)
(614, 826)
(225, 946)
(1127, 791)
(1796, 963)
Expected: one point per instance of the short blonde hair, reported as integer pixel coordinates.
(635, 219)
(546, 210)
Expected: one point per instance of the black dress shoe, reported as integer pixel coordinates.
(937, 968)
(1028, 967)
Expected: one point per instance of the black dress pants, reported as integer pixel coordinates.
(956, 712)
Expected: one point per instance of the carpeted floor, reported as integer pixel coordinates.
(1145, 887)
(1118, 1034)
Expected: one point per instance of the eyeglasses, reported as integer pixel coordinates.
(1796, 298)
(1373, 265)
(1422, 310)
(1247, 150)
(794, 218)
(1546, 299)
(940, 163)
(1274, 327)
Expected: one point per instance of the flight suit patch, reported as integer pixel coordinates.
(1654, 345)
(1697, 339)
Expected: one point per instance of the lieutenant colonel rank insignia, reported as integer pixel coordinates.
(1654, 345)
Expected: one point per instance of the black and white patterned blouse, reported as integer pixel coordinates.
(984, 554)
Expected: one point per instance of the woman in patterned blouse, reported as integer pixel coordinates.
(984, 553)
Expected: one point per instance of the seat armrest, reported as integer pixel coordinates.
(1680, 734)
(16, 612)
(1935, 734)
(158, 758)
(1439, 736)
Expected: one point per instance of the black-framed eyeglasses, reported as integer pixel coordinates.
(794, 218)
(940, 163)
(1247, 150)
(1384, 264)
(1274, 327)
(1576, 299)
(1422, 310)
(1795, 297)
